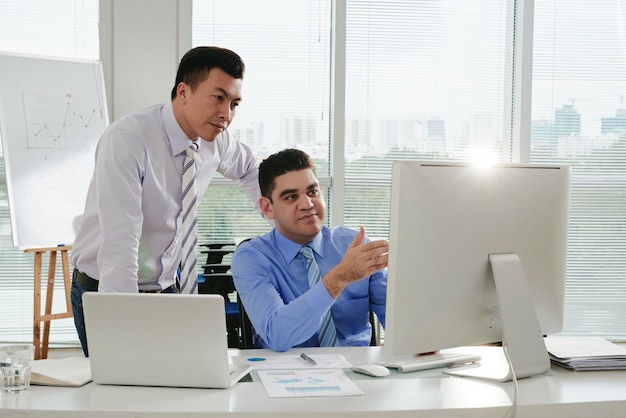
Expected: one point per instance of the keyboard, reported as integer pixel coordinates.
(430, 361)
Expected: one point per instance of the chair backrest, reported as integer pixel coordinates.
(218, 284)
(216, 252)
(216, 279)
(247, 332)
(374, 339)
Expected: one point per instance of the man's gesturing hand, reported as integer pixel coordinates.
(360, 261)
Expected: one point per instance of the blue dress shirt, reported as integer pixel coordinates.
(271, 280)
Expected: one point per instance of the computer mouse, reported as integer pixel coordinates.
(375, 370)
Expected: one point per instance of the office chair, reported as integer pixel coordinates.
(216, 279)
(247, 332)
(216, 252)
(375, 339)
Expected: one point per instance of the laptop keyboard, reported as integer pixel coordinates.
(430, 361)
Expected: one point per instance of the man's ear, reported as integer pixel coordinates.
(266, 207)
(181, 90)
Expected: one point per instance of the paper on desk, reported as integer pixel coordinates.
(70, 371)
(583, 347)
(585, 353)
(293, 361)
(306, 383)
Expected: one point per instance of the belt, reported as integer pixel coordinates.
(82, 278)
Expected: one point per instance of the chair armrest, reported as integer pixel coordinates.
(215, 268)
(217, 245)
(215, 256)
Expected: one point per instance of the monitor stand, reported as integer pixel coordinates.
(522, 337)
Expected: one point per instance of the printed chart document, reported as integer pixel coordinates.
(585, 353)
(305, 383)
(293, 361)
(70, 371)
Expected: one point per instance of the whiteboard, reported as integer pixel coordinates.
(52, 113)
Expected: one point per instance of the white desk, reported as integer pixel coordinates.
(420, 394)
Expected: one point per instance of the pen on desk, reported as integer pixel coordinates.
(308, 359)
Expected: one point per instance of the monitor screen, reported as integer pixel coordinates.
(451, 226)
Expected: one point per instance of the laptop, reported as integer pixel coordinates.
(159, 339)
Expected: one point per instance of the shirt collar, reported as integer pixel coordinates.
(290, 249)
(179, 141)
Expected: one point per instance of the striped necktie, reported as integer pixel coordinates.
(188, 276)
(326, 334)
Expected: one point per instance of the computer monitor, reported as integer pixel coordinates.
(477, 255)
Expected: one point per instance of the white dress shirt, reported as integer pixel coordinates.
(130, 234)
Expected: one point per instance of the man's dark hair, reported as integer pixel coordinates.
(196, 64)
(280, 163)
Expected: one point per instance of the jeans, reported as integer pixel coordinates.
(76, 297)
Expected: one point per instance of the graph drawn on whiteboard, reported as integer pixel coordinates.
(60, 122)
(52, 113)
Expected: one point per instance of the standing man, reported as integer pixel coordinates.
(274, 273)
(131, 236)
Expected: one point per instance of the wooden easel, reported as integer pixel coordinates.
(41, 346)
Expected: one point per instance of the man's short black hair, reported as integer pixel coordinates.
(280, 163)
(196, 64)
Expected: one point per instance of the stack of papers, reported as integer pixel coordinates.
(586, 353)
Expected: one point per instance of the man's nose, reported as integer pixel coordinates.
(225, 112)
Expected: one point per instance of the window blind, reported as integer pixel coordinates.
(579, 118)
(425, 80)
(63, 28)
(286, 94)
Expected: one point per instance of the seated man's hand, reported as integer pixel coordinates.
(360, 261)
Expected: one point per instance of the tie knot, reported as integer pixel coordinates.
(307, 252)
(191, 150)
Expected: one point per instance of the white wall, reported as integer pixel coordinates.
(141, 43)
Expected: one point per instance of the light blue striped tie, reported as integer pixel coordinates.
(188, 276)
(326, 334)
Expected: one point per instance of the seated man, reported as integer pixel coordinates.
(273, 277)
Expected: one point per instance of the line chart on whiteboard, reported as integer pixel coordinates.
(52, 114)
(63, 122)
